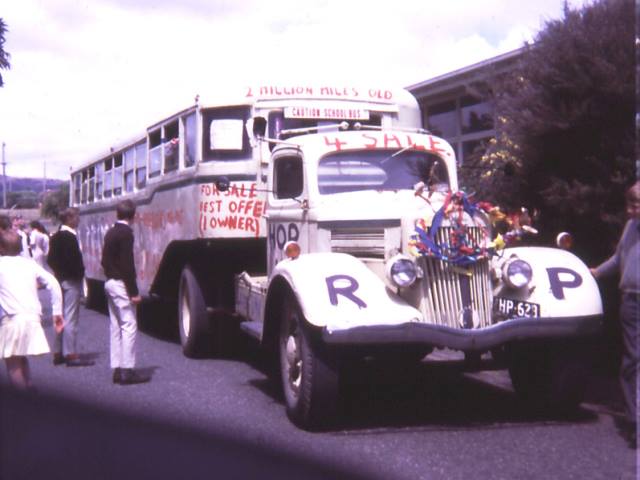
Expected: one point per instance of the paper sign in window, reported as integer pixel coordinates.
(226, 134)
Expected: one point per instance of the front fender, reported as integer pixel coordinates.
(338, 291)
(562, 284)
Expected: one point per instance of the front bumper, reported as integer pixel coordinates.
(483, 339)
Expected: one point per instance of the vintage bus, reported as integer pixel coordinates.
(187, 231)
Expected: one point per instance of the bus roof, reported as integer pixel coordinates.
(274, 95)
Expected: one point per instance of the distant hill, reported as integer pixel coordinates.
(27, 192)
(15, 184)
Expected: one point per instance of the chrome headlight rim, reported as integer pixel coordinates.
(517, 273)
(402, 271)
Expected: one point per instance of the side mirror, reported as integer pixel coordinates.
(222, 184)
(259, 127)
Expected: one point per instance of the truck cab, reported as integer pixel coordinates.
(372, 249)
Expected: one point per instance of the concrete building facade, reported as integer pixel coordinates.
(458, 106)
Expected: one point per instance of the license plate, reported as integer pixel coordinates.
(516, 308)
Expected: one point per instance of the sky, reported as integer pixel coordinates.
(89, 74)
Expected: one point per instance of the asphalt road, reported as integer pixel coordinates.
(223, 418)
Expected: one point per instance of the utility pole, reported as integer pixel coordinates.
(4, 178)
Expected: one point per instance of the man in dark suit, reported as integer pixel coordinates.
(65, 259)
(122, 295)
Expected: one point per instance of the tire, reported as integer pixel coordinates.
(309, 382)
(192, 317)
(548, 379)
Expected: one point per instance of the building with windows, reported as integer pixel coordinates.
(458, 106)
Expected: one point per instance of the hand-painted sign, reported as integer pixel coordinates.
(561, 278)
(234, 213)
(344, 286)
(371, 141)
(278, 91)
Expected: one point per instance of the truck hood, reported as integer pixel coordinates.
(375, 205)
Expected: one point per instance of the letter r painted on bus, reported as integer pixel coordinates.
(571, 280)
(336, 286)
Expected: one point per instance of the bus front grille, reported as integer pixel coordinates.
(453, 296)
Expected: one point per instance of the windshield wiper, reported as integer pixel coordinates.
(399, 152)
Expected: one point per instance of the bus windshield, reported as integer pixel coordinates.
(360, 170)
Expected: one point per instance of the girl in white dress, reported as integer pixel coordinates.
(21, 332)
(39, 243)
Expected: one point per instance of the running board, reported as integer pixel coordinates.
(252, 328)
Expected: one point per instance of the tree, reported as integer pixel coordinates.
(22, 199)
(565, 126)
(4, 56)
(55, 201)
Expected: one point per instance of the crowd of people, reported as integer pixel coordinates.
(31, 259)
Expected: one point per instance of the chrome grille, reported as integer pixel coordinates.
(358, 241)
(447, 289)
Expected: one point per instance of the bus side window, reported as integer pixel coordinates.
(117, 174)
(190, 139)
(155, 153)
(141, 164)
(77, 182)
(128, 155)
(92, 184)
(171, 144)
(288, 178)
(99, 179)
(224, 136)
(83, 198)
(108, 185)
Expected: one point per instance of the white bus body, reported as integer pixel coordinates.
(170, 170)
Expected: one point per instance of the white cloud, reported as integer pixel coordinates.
(88, 74)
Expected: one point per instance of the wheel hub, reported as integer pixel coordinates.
(294, 363)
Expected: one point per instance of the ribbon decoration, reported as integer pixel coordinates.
(459, 251)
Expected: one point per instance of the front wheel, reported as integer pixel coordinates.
(309, 382)
(548, 378)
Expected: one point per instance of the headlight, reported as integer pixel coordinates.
(564, 240)
(517, 273)
(402, 271)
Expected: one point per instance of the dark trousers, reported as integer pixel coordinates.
(629, 319)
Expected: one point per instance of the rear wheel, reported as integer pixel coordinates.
(192, 316)
(309, 382)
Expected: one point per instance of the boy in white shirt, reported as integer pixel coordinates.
(21, 331)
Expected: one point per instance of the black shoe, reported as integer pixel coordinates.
(58, 359)
(75, 361)
(128, 376)
(627, 430)
(117, 375)
(632, 441)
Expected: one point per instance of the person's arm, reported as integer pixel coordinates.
(52, 254)
(128, 267)
(52, 285)
(611, 266)
(45, 243)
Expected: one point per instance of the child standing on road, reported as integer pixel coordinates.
(21, 332)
